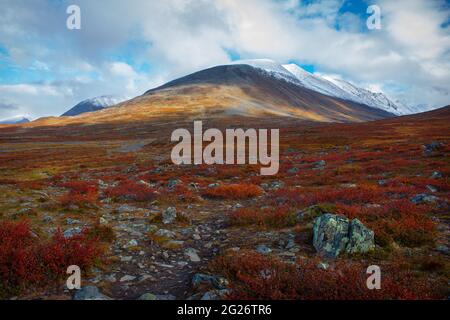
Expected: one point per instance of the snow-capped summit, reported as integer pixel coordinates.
(317, 83)
(94, 104)
(270, 66)
(326, 85)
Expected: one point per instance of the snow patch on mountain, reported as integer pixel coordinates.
(333, 87)
(94, 104)
(271, 67)
(317, 83)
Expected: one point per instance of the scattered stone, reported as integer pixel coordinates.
(150, 228)
(431, 148)
(90, 293)
(213, 281)
(131, 243)
(263, 249)
(436, 175)
(70, 221)
(274, 185)
(47, 219)
(146, 277)
(166, 297)
(148, 296)
(165, 233)
(349, 185)
(69, 233)
(127, 278)
(334, 234)
(173, 183)
(424, 198)
(382, 183)
(319, 165)
(103, 221)
(443, 249)
(126, 208)
(213, 185)
(111, 278)
(192, 254)
(169, 215)
(174, 243)
(432, 189)
(196, 236)
(323, 265)
(293, 170)
(215, 294)
(126, 259)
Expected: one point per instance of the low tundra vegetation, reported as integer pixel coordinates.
(233, 191)
(131, 190)
(256, 276)
(26, 261)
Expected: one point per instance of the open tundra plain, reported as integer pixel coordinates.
(105, 196)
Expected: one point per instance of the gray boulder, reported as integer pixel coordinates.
(330, 234)
(335, 234)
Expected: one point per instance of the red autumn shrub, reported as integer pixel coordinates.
(397, 220)
(256, 276)
(184, 194)
(279, 217)
(233, 191)
(82, 193)
(131, 190)
(26, 260)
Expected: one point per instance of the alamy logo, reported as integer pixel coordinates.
(374, 280)
(73, 21)
(235, 147)
(374, 21)
(74, 280)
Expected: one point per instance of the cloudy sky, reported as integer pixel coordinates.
(125, 47)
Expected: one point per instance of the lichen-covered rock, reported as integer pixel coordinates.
(335, 234)
(330, 234)
(361, 238)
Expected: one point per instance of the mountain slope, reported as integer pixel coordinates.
(93, 104)
(264, 90)
(272, 89)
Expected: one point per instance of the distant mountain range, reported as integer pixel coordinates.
(15, 120)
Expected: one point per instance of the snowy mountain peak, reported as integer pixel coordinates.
(104, 101)
(94, 104)
(326, 85)
(269, 66)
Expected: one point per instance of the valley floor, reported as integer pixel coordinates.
(145, 226)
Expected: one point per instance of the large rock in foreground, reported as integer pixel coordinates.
(335, 234)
